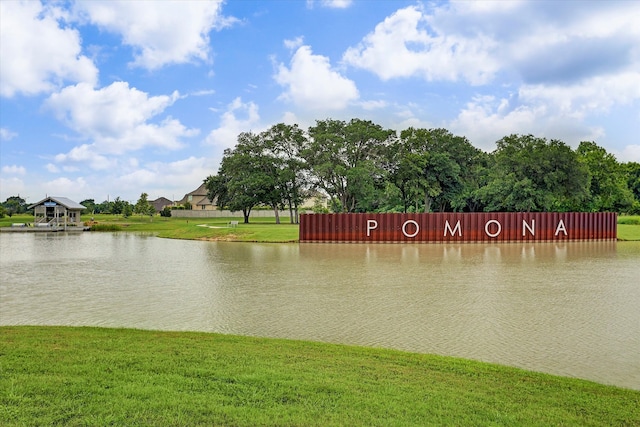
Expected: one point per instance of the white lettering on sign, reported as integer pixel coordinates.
(372, 224)
(404, 228)
(447, 227)
(498, 231)
(531, 228)
(561, 227)
(492, 228)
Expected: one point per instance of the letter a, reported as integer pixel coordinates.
(561, 227)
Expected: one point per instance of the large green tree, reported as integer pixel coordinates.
(632, 170)
(143, 207)
(608, 186)
(247, 177)
(15, 205)
(433, 167)
(346, 160)
(286, 143)
(533, 174)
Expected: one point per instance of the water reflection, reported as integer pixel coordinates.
(564, 308)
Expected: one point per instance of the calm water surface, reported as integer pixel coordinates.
(571, 309)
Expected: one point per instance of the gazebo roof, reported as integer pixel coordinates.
(67, 203)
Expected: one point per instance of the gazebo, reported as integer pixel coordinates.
(56, 212)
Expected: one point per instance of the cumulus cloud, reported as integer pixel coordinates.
(406, 45)
(11, 186)
(167, 179)
(72, 188)
(116, 119)
(486, 119)
(334, 4)
(630, 153)
(39, 52)
(566, 65)
(14, 170)
(539, 43)
(311, 83)
(161, 33)
(239, 117)
(6, 134)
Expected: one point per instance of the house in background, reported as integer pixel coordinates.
(198, 199)
(160, 203)
(56, 212)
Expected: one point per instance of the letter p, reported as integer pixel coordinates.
(372, 224)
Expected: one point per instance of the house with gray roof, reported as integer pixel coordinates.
(53, 211)
(199, 199)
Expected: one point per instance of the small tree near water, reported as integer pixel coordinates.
(143, 207)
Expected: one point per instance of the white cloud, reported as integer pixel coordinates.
(226, 135)
(374, 105)
(405, 45)
(597, 93)
(312, 84)
(39, 53)
(14, 170)
(6, 134)
(172, 180)
(334, 4)
(487, 119)
(85, 154)
(117, 119)
(161, 33)
(630, 153)
(52, 168)
(11, 187)
(63, 186)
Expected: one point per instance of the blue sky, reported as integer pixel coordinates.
(111, 99)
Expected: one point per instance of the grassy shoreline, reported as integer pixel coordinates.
(96, 376)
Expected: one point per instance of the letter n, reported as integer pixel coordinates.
(531, 228)
(447, 226)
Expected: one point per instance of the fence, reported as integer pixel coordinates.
(458, 227)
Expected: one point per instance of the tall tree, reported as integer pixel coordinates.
(533, 174)
(285, 143)
(346, 160)
(246, 178)
(90, 204)
(632, 170)
(15, 205)
(435, 167)
(143, 207)
(608, 186)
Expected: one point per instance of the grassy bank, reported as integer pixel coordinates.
(259, 230)
(91, 376)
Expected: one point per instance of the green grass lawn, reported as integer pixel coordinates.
(92, 376)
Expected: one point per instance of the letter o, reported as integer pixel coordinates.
(404, 228)
(486, 228)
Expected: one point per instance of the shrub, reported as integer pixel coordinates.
(105, 227)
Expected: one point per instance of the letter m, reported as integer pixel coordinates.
(447, 227)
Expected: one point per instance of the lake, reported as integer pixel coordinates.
(570, 309)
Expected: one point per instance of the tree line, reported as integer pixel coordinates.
(363, 167)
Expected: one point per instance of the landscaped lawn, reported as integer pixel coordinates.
(91, 376)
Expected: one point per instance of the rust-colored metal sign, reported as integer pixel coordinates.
(458, 227)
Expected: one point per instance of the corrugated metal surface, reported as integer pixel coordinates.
(458, 227)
